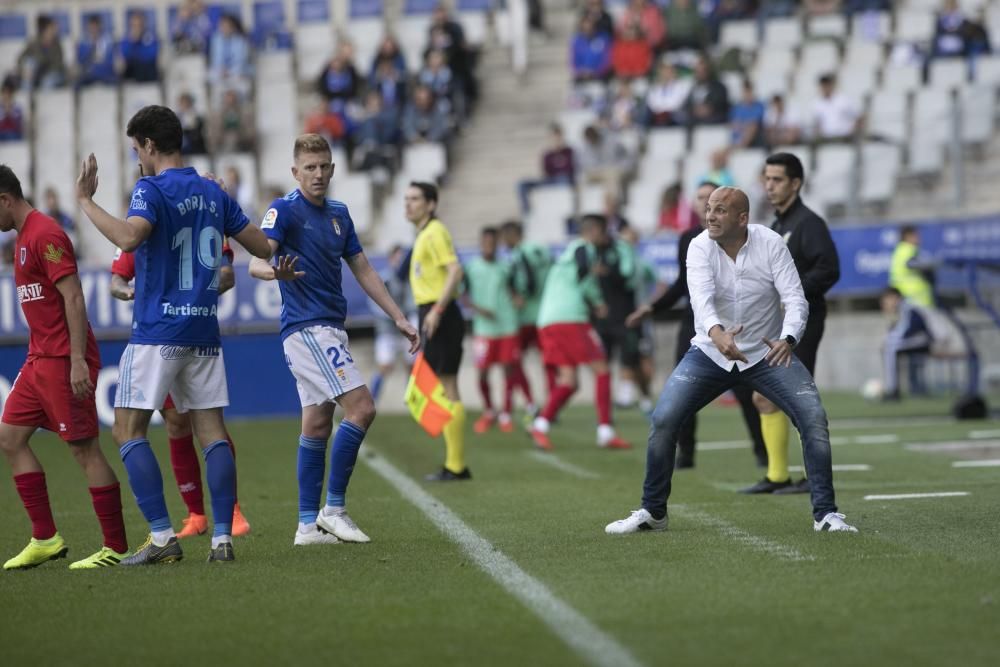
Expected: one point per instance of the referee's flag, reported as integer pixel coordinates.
(426, 399)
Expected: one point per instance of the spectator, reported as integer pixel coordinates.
(666, 98)
(239, 190)
(191, 29)
(229, 57)
(54, 211)
(437, 76)
(631, 56)
(389, 52)
(622, 111)
(41, 63)
(425, 119)
(139, 50)
(558, 166)
(377, 136)
(728, 10)
(11, 116)
(602, 160)
(599, 16)
(708, 103)
(327, 123)
(95, 54)
(446, 34)
(675, 214)
(591, 53)
(339, 82)
(686, 28)
(193, 126)
(835, 116)
(977, 36)
(822, 7)
(747, 119)
(782, 125)
(950, 32)
(391, 86)
(718, 169)
(647, 15)
(231, 128)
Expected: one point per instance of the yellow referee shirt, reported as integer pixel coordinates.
(432, 253)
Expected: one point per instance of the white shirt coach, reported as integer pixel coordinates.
(748, 292)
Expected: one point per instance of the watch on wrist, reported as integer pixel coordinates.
(790, 340)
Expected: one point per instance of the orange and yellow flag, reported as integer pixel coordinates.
(426, 399)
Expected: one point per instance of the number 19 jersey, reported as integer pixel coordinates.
(177, 267)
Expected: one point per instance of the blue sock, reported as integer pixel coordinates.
(346, 444)
(377, 386)
(146, 481)
(312, 462)
(220, 470)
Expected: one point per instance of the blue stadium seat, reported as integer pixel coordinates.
(270, 31)
(365, 9)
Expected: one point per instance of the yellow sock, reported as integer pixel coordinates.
(774, 428)
(454, 440)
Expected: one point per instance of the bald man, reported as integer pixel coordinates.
(749, 309)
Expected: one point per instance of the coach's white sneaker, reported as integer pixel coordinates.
(337, 522)
(309, 534)
(834, 523)
(638, 521)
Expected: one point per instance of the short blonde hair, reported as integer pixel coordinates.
(310, 143)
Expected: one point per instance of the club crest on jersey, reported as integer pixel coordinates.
(336, 226)
(24, 256)
(52, 254)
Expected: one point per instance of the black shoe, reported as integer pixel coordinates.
(892, 397)
(445, 475)
(767, 486)
(684, 461)
(222, 553)
(801, 486)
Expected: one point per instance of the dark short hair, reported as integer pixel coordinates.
(892, 291)
(906, 230)
(428, 190)
(827, 79)
(791, 163)
(707, 183)
(42, 22)
(9, 185)
(512, 226)
(489, 231)
(594, 219)
(158, 124)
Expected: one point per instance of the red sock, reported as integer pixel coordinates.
(557, 399)
(108, 507)
(550, 377)
(187, 470)
(232, 448)
(484, 389)
(521, 382)
(35, 496)
(508, 391)
(603, 398)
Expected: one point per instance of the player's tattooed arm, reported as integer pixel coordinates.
(120, 289)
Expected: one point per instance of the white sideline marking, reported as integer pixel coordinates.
(952, 445)
(839, 467)
(908, 496)
(722, 445)
(755, 542)
(882, 439)
(983, 435)
(986, 463)
(564, 466)
(590, 643)
(837, 440)
(882, 422)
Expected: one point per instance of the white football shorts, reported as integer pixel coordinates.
(195, 377)
(321, 362)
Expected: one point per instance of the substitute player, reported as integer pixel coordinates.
(55, 388)
(495, 327)
(435, 274)
(309, 235)
(568, 340)
(175, 224)
(183, 457)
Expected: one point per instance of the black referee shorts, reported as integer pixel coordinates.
(807, 348)
(443, 351)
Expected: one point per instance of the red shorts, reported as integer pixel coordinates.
(42, 397)
(490, 351)
(570, 344)
(529, 336)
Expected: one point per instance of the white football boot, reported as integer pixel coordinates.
(834, 523)
(341, 525)
(309, 534)
(639, 520)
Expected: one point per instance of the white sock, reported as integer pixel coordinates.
(604, 433)
(541, 424)
(216, 541)
(333, 510)
(161, 537)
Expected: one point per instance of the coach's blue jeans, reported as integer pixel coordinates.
(697, 381)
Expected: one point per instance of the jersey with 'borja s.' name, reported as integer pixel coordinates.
(177, 267)
(43, 255)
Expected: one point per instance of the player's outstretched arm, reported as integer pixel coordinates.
(255, 241)
(371, 283)
(127, 234)
(120, 289)
(76, 321)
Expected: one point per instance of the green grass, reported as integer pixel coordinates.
(920, 585)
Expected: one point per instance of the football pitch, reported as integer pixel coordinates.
(514, 567)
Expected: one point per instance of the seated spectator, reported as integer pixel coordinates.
(647, 15)
(339, 82)
(41, 63)
(389, 52)
(191, 29)
(909, 336)
(437, 76)
(327, 123)
(55, 211)
(446, 34)
(95, 54)
(558, 166)
(391, 86)
(727, 10)
(11, 116)
(977, 36)
(950, 32)
(239, 190)
(631, 56)
(718, 169)
(602, 159)
(231, 128)
(192, 125)
(782, 125)
(621, 111)
(686, 28)
(675, 214)
(594, 9)
(229, 64)
(747, 119)
(835, 117)
(377, 136)
(667, 96)
(425, 119)
(591, 53)
(139, 50)
(708, 103)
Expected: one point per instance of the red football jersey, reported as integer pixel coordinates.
(124, 262)
(43, 255)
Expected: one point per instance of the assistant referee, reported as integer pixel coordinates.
(435, 274)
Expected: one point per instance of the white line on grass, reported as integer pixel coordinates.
(839, 467)
(591, 643)
(951, 445)
(880, 439)
(983, 435)
(564, 466)
(985, 463)
(755, 542)
(837, 440)
(909, 496)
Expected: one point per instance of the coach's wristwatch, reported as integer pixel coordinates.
(790, 339)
